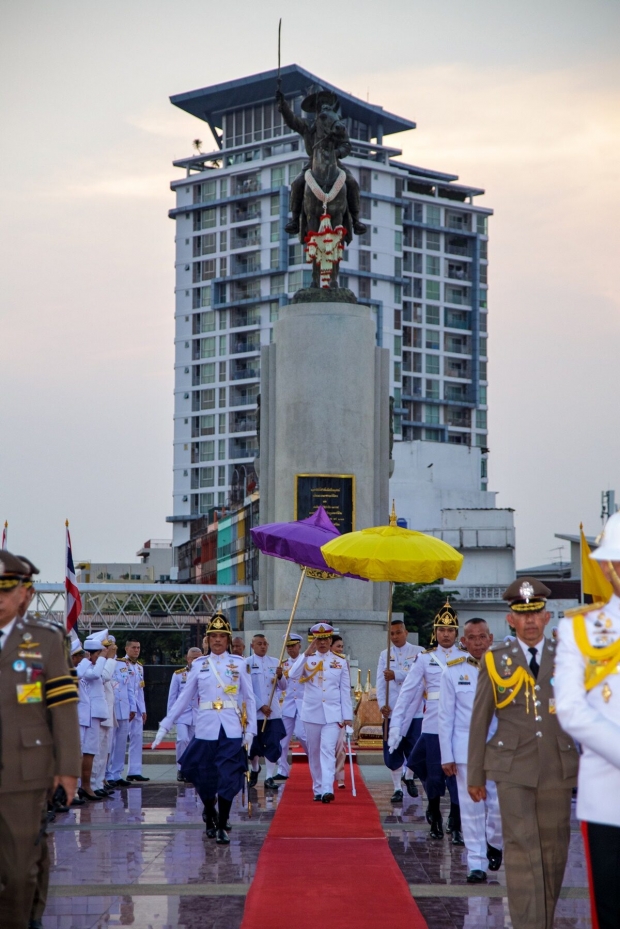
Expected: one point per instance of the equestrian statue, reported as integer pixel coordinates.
(325, 197)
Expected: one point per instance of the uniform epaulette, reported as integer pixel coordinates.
(120, 659)
(456, 661)
(583, 609)
(43, 623)
(427, 651)
(497, 646)
(180, 670)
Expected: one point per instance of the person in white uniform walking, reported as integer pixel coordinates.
(92, 707)
(265, 671)
(291, 708)
(326, 706)
(481, 822)
(107, 725)
(136, 725)
(402, 656)
(186, 723)
(124, 713)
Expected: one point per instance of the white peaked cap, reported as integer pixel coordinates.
(609, 548)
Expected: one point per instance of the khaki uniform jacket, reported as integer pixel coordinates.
(530, 749)
(40, 738)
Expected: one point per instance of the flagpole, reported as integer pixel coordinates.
(581, 562)
(5, 535)
(66, 591)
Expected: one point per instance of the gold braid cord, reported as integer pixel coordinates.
(311, 674)
(601, 661)
(517, 679)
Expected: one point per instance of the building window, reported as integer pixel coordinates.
(433, 241)
(277, 177)
(483, 371)
(397, 371)
(223, 350)
(207, 477)
(398, 215)
(432, 390)
(483, 468)
(295, 281)
(222, 397)
(296, 254)
(205, 219)
(432, 339)
(275, 205)
(432, 315)
(398, 345)
(481, 419)
(482, 393)
(207, 347)
(398, 293)
(223, 188)
(207, 427)
(432, 435)
(221, 425)
(221, 449)
(274, 312)
(204, 322)
(205, 374)
(433, 215)
(274, 259)
(222, 373)
(274, 234)
(398, 241)
(398, 267)
(204, 399)
(364, 260)
(205, 503)
(398, 319)
(432, 290)
(432, 265)
(277, 285)
(432, 364)
(294, 169)
(223, 215)
(221, 475)
(431, 414)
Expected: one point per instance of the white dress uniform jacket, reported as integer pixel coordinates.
(327, 691)
(294, 693)
(177, 686)
(401, 662)
(593, 717)
(422, 683)
(137, 678)
(456, 702)
(92, 699)
(213, 680)
(262, 672)
(124, 698)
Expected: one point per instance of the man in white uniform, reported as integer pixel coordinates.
(186, 722)
(587, 697)
(291, 708)
(326, 706)
(422, 683)
(92, 708)
(402, 654)
(265, 671)
(481, 822)
(215, 760)
(107, 725)
(124, 712)
(136, 725)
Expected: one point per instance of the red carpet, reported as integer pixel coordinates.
(331, 862)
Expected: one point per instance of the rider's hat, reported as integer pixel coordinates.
(317, 97)
(219, 623)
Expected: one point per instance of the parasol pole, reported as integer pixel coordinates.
(389, 640)
(304, 571)
(279, 80)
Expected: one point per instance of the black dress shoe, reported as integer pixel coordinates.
(211, 832)
(181, 779)
(412, 790)
(84, 795)
(270, 784)
(436, 828)
(457, 837)
(476, 877)
(77, 801)
(429, 815)
(35, 924)
(221, 837)
(450, 825)
(103, 794)
(137, 777)
(253, 779)
(318, 798)
(280, 777)
(397, 797)
(327, 798)
(121, 783)
(495, 857)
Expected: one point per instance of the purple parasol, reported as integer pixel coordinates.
(299, 541)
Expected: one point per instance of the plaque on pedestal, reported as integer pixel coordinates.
(334, 492)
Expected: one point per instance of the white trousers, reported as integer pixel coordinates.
(185, 734)
(117, 755)
(100, 762)
(481, 822)
(322, 739)
(136, 728)
(341, 755)
(293, 725)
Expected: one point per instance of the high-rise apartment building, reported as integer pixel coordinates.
(421, 267)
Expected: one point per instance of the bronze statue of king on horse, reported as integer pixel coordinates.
(325, 197)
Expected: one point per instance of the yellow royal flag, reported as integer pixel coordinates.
(593, 581)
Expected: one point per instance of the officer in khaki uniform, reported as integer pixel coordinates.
(531, 759)
(40, 741)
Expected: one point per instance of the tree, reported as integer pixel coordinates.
(420, 603)
(197, 144)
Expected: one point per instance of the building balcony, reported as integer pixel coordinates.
(244, 342)
(245, 290)
(244, 316)
(244, 396)
(246, 184)
(242, 422)
(246, 264)
(242, 448)
(243, 212)
(247, 237)
(245, 370)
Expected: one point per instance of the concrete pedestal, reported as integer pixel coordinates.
(324, 410)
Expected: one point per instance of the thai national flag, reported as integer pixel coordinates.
(73, 601)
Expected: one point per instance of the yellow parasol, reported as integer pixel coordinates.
(390, 553)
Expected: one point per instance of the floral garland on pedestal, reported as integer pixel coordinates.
(325, 247)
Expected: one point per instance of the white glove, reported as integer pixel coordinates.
(349, 730)
(161, 732)
(394, 739)
(248, 738)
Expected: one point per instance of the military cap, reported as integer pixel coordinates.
(13, 571)
(76, 646)
(32, 570)
(446, 618)
(219, 623)
(526, 595)
(321, 631)
(293, 639)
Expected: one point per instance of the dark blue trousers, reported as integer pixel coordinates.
(396, 759)
(267, 744)
(216, 767)
(425, 762)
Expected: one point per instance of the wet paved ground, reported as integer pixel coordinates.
(141, 859)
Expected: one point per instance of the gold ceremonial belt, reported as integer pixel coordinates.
(217, 705)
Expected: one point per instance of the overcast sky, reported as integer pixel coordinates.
(520, 99)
